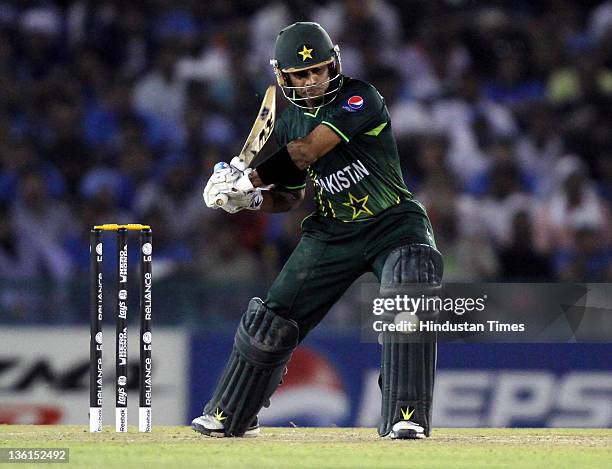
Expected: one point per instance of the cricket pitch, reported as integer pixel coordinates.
(180, 447)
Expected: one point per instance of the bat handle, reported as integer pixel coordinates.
(221, 200)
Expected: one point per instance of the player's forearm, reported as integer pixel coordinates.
(302, 153)
(307, 150)
(279, 201)
(288, 163)
(255, 179)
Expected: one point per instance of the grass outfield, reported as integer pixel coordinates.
(180, 447)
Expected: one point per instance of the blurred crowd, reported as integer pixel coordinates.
(116, 112)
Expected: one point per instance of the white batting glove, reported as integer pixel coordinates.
(238, 164)
(242, 183)
(242, 194)
(223, 186)
(220, 182)
(237, 201)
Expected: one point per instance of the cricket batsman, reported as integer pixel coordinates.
(337, 133)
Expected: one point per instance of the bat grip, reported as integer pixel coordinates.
(221, 200)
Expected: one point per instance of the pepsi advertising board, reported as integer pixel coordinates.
(333, 381)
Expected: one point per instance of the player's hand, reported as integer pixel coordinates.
(243, 182)
(242, 195)
(237, 201)
(238, 164)
(222, 191)
(220, 182)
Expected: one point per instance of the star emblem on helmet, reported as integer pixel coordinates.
(306, 53)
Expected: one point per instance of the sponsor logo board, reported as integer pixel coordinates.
(334, 381)
(44, 376)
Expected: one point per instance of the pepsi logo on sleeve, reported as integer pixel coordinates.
(354, 104)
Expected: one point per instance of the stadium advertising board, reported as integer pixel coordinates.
(334, 381)
(44, 376)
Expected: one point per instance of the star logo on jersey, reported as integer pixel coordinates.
(406, 414)
(358, 205)
(219, 415)
(306, 53)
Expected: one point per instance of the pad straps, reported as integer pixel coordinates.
(263, 345)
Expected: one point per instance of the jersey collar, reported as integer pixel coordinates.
(310, 114)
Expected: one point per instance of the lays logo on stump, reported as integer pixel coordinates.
(354, 103)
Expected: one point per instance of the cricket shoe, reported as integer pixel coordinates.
(407, 430)
(210, 425)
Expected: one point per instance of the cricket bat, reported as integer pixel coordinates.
(259, 135)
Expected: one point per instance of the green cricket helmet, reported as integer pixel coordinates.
(302, 46)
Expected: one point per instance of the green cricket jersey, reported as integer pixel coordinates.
(364, 210)
(361, 176)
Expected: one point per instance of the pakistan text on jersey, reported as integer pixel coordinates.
(343, 178)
